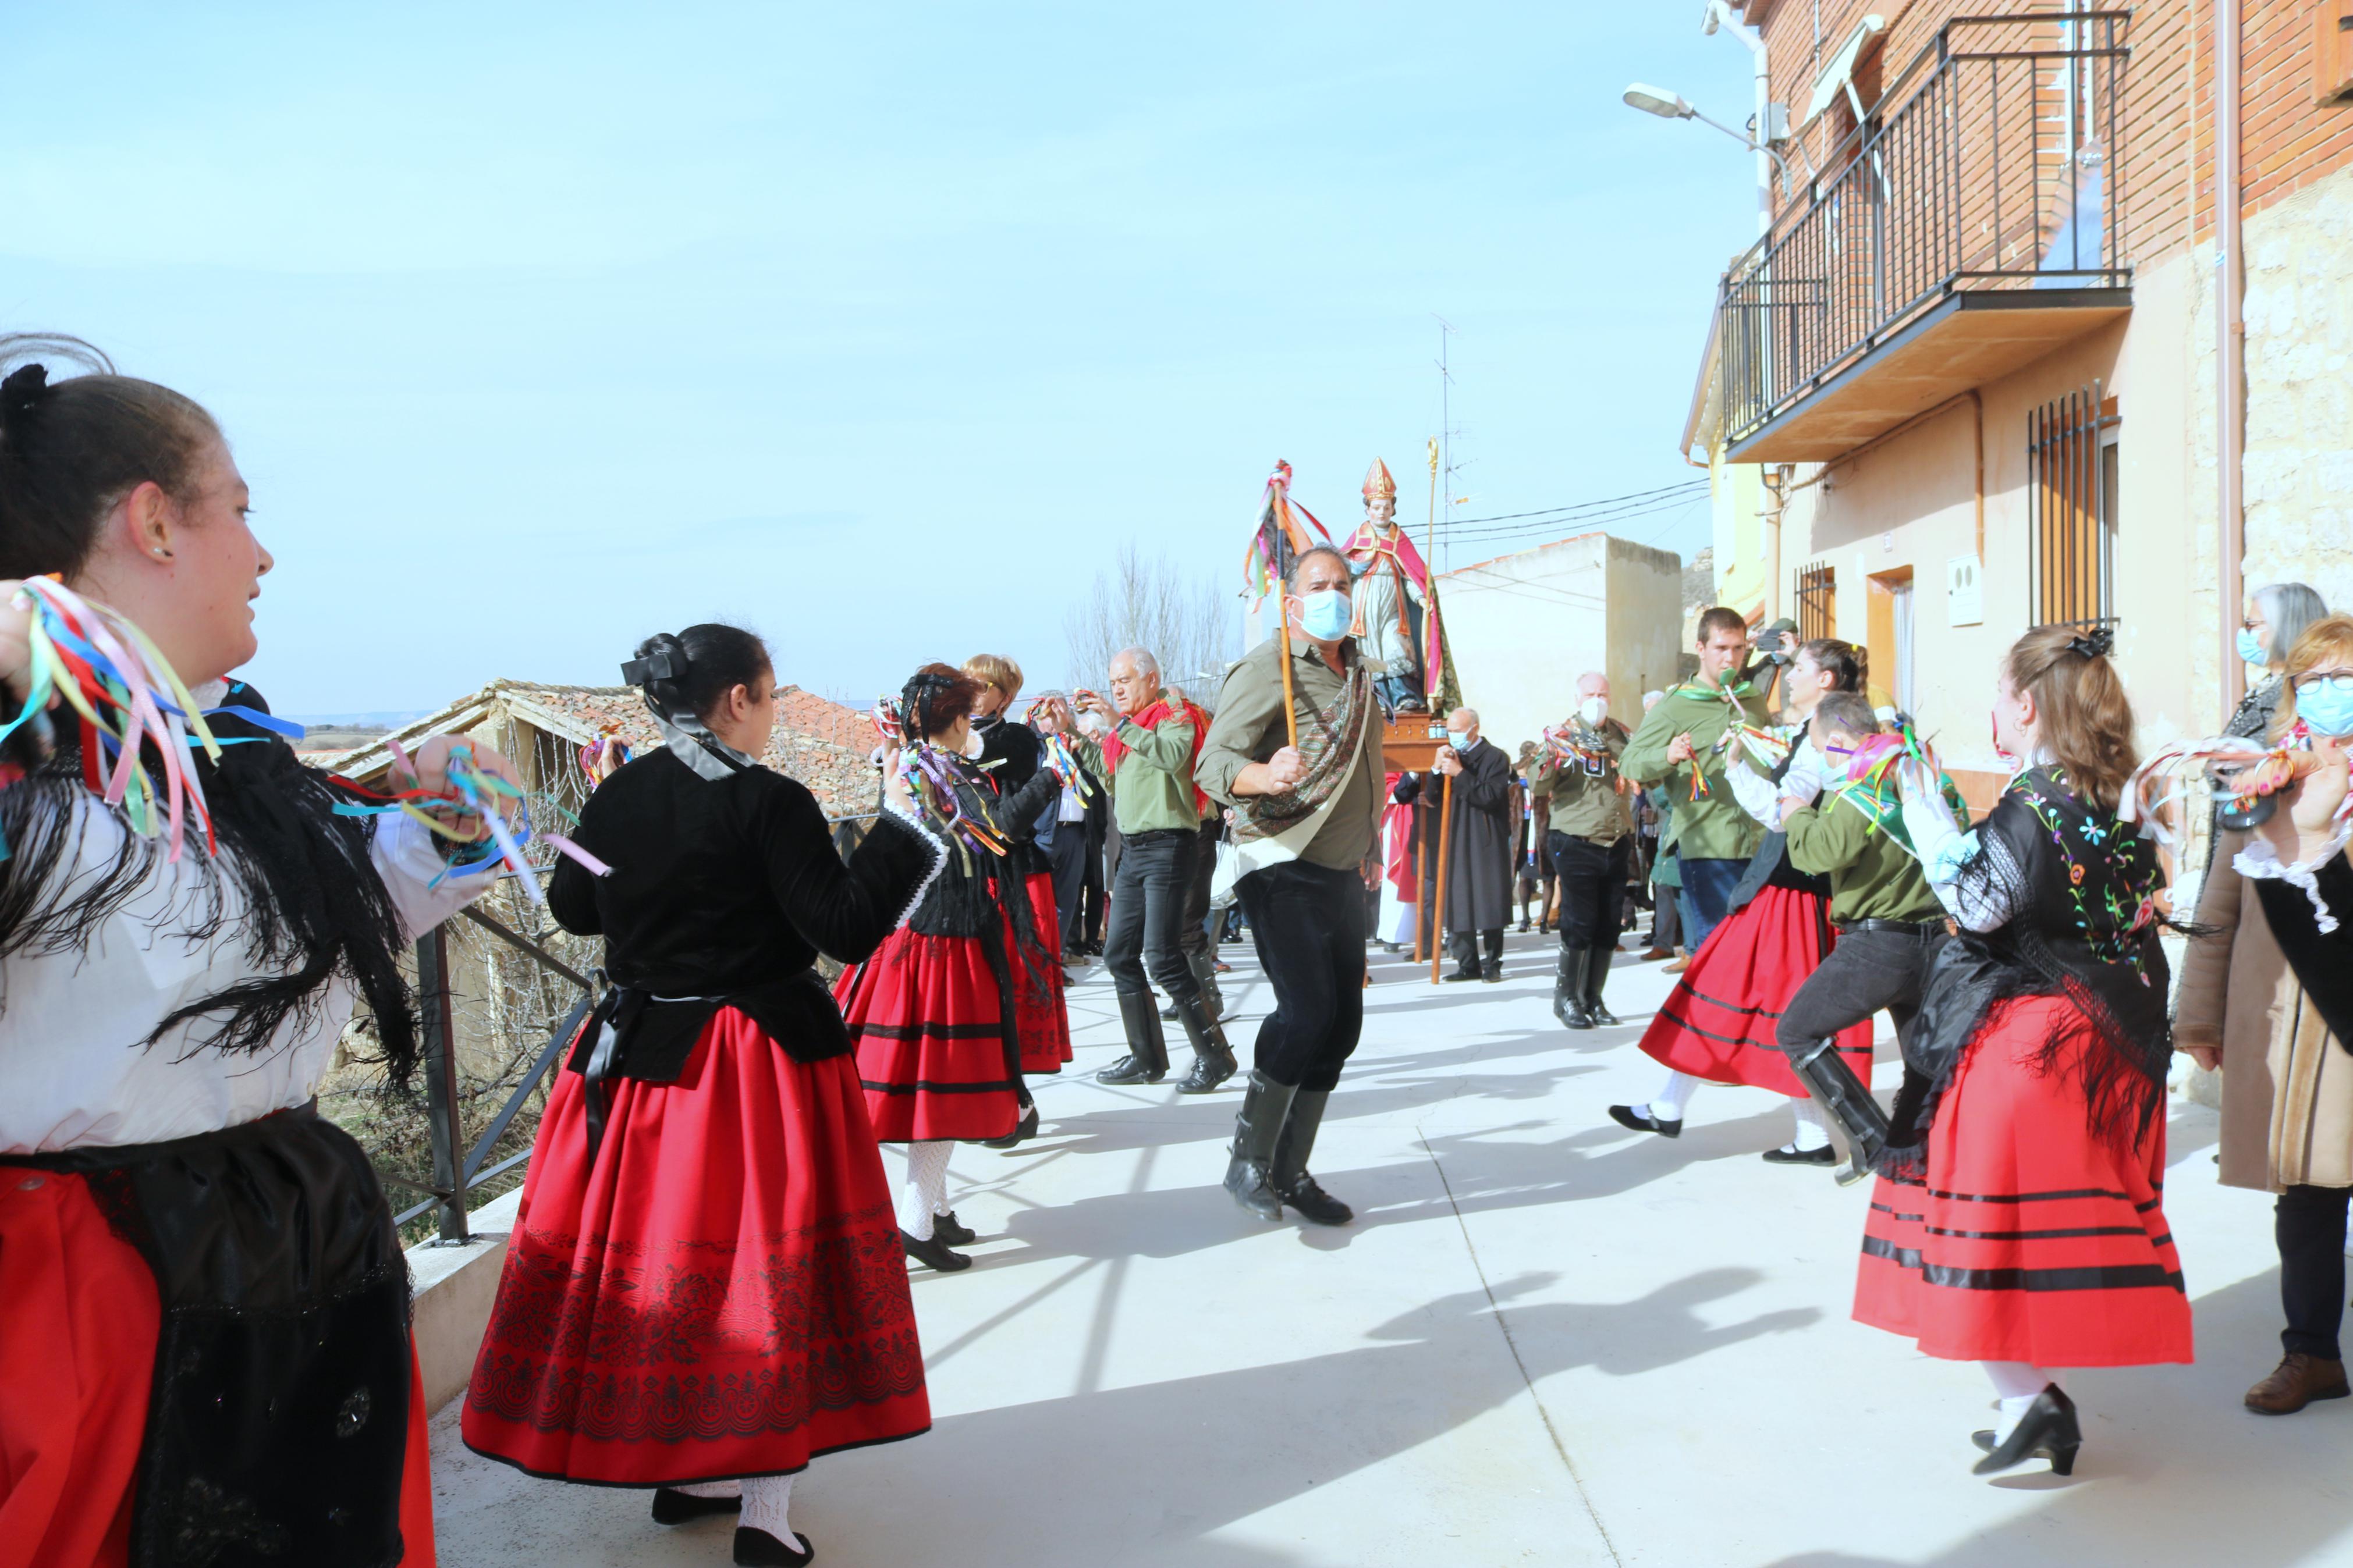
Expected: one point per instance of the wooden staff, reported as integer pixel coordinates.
(1445, 836)
(1425, 885)
(1290, 716)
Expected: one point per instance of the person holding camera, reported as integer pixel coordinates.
(2265, 998)
(1588, 836)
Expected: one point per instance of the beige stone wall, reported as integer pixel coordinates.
(2299, 462)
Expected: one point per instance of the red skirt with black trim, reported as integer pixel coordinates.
(719, 1292)
(924, 1014)
(78, 1321)
(1039, 1009)
(1718, 1022)
(2028, 1241)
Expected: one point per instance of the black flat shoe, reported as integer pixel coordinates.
(758, 1549)
(933, 1254)
(1790, 1154)
(1461, 974)
(1492, 974)
(1023, 1130)
(948, 1233)
(2049, 1428)
(672, 1506)
(1642, 1121)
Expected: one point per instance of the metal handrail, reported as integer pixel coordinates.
(1929, 204)
(453, 1177)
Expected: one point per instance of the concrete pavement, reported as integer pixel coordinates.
(1544, 1340)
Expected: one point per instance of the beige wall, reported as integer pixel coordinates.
(1523, 627)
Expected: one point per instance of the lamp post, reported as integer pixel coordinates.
(1669, 105)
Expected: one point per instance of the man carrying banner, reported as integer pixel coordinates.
(1304, 811)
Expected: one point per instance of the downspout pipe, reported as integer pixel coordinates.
(1720, 15)
(2230, 349)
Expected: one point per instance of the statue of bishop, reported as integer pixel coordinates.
(1395, 623)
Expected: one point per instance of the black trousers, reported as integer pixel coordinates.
(1465, 947)
(1666, 917)
(1592, 888)
(2309, 1226)
(1069, 855)
(1867, 971)
(1308, 924)
(1148, 908)
(1196, 935)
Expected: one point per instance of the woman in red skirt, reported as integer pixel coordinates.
(204, 1347)
(935, 1013)
(704, 1289)
(2017, 1221)
(1716, 1026)
(1012, 754)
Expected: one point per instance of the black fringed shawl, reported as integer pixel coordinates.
(2084, 926)
(313, 904)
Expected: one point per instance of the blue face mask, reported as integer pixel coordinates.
(2251, 647)
(2326, 705)
(1458, 739)
(1325, 614)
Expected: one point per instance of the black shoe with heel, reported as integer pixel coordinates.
(1023, 1130)
(2048, 1429)
(948, 1233)
(933, 1253)
(758, 1549)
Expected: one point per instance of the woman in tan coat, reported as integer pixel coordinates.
(2287, 1084)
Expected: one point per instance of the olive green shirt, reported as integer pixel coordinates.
(1249, 729)
(1872, 877)
(1586, 804)
(1152, 789)
(1714, 827)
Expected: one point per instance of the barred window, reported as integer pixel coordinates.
(2072, 509)
(1817, 601)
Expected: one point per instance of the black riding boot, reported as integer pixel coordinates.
(1848, 1099)
(1249, 1176)
(1213, 1059)
(1147, 1054)
(1205, 976)
(1597, 975)
(1292, 1183)
(1568, 1003)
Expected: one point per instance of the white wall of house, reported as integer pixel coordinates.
(1524, 627)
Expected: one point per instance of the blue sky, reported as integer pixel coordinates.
(538, 328)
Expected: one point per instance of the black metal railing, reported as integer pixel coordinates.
(2001, 168)
(456, 1174)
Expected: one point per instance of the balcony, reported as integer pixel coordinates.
(1947, 243)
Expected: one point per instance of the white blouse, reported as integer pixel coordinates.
(73, 1071)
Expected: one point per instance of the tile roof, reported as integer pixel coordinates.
(819, 743)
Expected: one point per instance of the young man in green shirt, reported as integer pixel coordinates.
(1677, 747)
(1890, 923)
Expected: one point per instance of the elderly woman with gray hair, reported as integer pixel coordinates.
(2276, 615)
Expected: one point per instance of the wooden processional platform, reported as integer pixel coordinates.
(1411, 741)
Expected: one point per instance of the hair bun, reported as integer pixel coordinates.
(24, 387)
(2097, 643)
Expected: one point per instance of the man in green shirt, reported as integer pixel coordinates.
(1148, 756)
(1680, 747)
(1303, 821)
(1589, 839)
(1890, 923)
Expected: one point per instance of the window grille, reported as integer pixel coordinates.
(2072, 509)
(1817, 601)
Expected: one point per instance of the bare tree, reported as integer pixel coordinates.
(1188, 621)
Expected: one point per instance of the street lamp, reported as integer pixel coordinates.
(1669, 105)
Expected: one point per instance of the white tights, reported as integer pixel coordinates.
(926, 1192)
(1812, 1127)
(767, 1501)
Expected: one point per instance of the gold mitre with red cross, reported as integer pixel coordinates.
(1378, 485)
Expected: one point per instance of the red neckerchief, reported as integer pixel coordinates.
(1150, 719)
